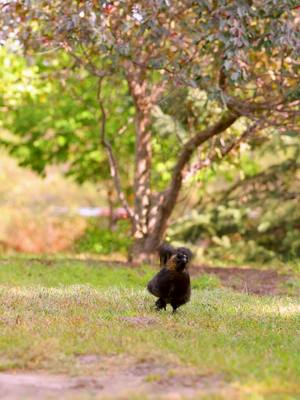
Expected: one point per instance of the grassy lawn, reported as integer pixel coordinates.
(51, 313)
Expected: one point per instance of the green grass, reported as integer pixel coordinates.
(49, 314)
(56, 273)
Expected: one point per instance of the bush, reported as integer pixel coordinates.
(99, 239)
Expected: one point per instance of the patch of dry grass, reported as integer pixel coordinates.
(29, 221)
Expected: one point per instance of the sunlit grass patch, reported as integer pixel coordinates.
(56, 272)
(236, 334)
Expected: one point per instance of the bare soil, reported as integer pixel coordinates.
(113, 378)
(248, 280)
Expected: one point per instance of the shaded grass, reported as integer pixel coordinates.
(51, 314)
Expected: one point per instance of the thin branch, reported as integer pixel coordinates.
(124, 127)
(52, 50)
(188, 149)
(222, 78)
(114, 168)
(248, 107)
(224, 151)
(170, 195)
(89, 66)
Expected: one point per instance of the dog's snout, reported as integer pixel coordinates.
(182, 257)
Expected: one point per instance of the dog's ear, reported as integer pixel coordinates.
(165, 252)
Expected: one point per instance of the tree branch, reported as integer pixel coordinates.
(89, 66)
(225, 122)
(114, 168)
(170, 195)
(247, 107)
(224, 151)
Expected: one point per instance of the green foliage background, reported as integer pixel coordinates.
(48, 116)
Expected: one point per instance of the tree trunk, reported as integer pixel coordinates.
(150, 220)
(144, 248)
(111, 207)
(137, 83)
(142, 175)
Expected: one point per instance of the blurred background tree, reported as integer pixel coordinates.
(172, 91)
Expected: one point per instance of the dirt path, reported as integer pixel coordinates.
(249, 280)
(113, 378)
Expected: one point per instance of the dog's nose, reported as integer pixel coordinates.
(182, 257)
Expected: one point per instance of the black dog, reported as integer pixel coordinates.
(172, 283)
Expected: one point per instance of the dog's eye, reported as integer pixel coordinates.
(183, 257)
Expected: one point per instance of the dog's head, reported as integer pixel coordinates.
(180, 259)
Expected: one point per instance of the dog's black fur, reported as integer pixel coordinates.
(172, 283)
